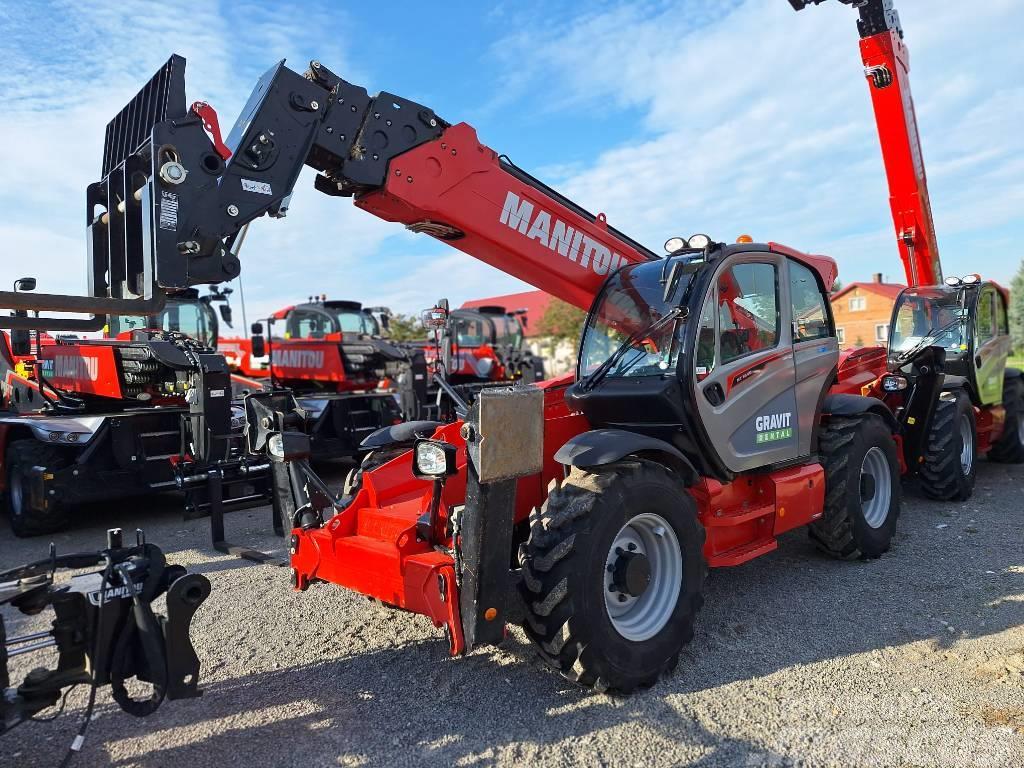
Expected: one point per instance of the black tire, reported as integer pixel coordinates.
(22, 455)
(1010, 448)
(845, 530)
(564, 575)
(942, 475)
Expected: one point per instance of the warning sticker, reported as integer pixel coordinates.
(260, 187)
(168, 210)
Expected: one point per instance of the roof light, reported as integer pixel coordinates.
(970, 279)
(700, 241)
(953, 281)
(674, 244)
(744, 239)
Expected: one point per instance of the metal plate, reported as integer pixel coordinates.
(508, 438)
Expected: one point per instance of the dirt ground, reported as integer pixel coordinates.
(916, 659)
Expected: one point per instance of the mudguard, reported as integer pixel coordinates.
(606, 446)
(855, 405)
(405, 432)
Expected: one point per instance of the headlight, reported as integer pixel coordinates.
(893, 383)
(288, 446)
(700, 241)
(484, 366)
(434, 460)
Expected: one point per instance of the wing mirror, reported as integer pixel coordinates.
(21, 339)
(437, 316)
(258, 342)
(225, 314)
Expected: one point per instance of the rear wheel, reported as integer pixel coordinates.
(22, 456)
(613, 574)
(1010, 448)
(862, 488)
(949, 467)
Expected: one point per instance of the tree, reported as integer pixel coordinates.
(562, 320)
(406, 328)
(1017, 310)
(837, 286)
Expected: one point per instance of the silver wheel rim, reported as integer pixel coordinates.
(876, 466)
(641, 617)
(966, 444)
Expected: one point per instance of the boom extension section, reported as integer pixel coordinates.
(887, 68)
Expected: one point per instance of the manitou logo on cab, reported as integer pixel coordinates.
(558, 236)
(72, 367)
(299, 358)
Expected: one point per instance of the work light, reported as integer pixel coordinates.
(435, 460)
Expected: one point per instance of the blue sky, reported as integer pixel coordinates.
(718, 116)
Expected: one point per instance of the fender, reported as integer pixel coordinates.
(406, 432)
(606, 446)
(855, 405)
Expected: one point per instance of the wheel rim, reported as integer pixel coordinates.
(876, 494)
(640, 615)
(966, 444)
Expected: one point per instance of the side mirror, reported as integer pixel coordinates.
(225, 314)
(21, 342)
(437, 316)
(259, 344)
(25, 284)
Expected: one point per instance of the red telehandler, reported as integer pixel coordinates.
(90, 420)
(979, 406)
(349, 378)
(708, 414)
(487, 344)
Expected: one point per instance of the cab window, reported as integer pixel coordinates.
(470, 332)
(303, 324)
(810, 315)
(704, 359)
(985, 324)
(1002, 323)
(748, 310)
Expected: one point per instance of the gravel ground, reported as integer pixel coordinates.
(916, 659)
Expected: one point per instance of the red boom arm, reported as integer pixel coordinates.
(887, 67)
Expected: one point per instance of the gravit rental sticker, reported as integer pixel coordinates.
(773, 427)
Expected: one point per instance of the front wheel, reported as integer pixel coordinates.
(862, 488)
(948, 468)
(613, 574)
(22, 456)
(1010, 448)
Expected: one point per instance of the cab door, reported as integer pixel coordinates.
(815, 347)
(744, 370)
(991, 345)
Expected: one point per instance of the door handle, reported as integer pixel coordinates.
(715, 394)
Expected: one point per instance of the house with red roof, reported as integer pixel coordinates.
(862, 312)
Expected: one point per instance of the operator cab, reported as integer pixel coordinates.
(724, 352)
(185, 313)
(967, 319)
(487, 325)
(318, 320)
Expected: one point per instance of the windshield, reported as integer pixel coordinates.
(507, 330)
(632, 300)
(194, 319)
(930, 317)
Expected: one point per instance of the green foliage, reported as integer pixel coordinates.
(562, 320)
(837, 286)
(1017, 310)
(406, 328)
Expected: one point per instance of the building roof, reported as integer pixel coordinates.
(889, 290)
(534, 302)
